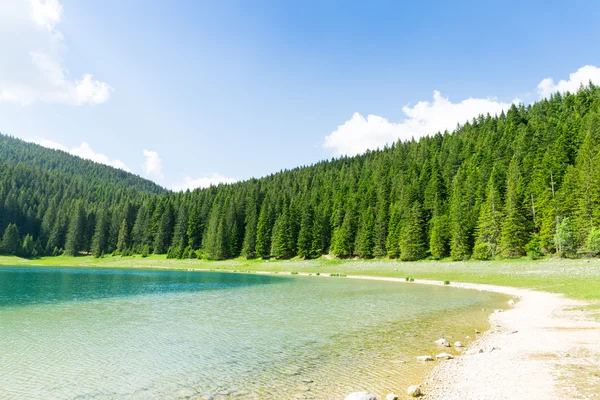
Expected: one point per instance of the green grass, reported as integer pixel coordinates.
(575, 278)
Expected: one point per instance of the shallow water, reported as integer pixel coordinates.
(144, 334)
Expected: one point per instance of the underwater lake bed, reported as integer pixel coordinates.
(68, 333)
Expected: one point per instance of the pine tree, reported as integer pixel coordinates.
(365, 237)
(282, 241)
(180, 239)
(412, 243)
(489, 225)
(195, 227)
(123, 240)
(210, 240)
(514, 226)
(438, 236)
(11, 244)
(263, 231)
(28, 248)
(100, 239)
(249, 245)
(343, 236)
(164, 231)
(305, 236)
(460, 244)
(393, 238)
(76, 235)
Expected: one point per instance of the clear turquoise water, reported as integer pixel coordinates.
(144, 334)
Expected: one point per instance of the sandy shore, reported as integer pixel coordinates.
(543, 347)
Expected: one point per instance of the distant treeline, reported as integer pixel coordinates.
(524, 182)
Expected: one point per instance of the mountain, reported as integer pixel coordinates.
(524, 182)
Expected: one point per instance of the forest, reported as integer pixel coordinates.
(526, 182)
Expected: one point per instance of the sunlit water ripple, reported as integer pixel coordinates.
(133, 334)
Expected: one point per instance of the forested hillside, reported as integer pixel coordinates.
(524, 182)
(41, 190)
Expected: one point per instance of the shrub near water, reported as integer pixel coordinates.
(593, 241)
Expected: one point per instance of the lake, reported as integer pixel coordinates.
(69, 333)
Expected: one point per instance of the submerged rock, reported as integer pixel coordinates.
(361, 396)
(444, 356)
(414, 391)
(425, 358)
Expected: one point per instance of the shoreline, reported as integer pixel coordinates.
(545, 346)
(541, 347)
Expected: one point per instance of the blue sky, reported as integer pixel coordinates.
(191, 92)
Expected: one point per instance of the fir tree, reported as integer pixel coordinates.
(100, 239)
(514, 225)
(76, 234)
(412, 244)
(489, 226)
(11, 243)
(123, 241)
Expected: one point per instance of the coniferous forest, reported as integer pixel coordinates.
(526, 182)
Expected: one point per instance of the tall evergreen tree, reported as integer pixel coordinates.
(514, 226)
(489, 225)
(11, 243)
(412, 243)
(76, 234)
(100, 239)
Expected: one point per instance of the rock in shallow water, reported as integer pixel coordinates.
(391, 396)
(442, 342)
(414, 391)
(458, 344)
(361, 396)
(444, 356)
(425, 358)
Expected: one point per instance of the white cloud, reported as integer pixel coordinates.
(582, 76)
(84, 151)
(212, 179)
(31, 63)
(46, 13)
(152, 164)
(359, 133)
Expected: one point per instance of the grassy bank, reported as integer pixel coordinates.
(575, 278)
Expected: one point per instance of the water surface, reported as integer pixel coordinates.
(144, 334)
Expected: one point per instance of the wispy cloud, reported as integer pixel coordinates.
(31, 61)
(84, 150)
(204, 182)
